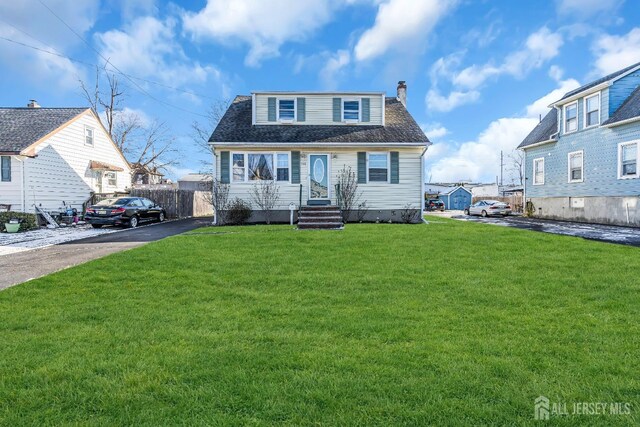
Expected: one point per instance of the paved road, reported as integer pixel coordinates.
(20, 267)
(604, 233)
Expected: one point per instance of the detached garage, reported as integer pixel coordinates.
(458, 198)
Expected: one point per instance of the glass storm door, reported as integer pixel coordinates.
(318, 176)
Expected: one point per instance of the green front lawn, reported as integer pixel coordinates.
(446, 323)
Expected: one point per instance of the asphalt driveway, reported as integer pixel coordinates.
(604, 233)
(22, 266)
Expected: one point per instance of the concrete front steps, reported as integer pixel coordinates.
(319, 217)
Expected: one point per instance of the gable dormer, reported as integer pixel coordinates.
(316, 108)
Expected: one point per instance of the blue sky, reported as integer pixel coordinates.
(479, 73)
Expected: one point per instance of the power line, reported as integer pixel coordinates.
(140, 88)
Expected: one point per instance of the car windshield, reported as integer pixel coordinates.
(113, 202)
(492, 202)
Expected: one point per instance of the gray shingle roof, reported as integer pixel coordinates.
(21, 127)
(602, 80)
(235, 126)
(628, 110)
(543, 131)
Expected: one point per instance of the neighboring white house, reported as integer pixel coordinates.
(195, 182)
(302, 140)
(55, 155)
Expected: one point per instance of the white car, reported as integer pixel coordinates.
(488, 208)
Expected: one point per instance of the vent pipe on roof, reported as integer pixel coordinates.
(33, 104)
(402, 92)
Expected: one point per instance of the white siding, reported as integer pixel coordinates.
(318, 108)
(11, 192)
(60, 171)
(378, 195)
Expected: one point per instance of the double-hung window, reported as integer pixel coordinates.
(628, 160)
(538, 171)
(282, 168)
(576, 166)
(378, 170)
(592, 111)
(571, 118)
(111, 178)
(286, 110)
(6, 168)
(88, 135)
(351, 110)
(238, 167)
(260, 167)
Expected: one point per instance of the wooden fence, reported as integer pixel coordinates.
(177, 203)
(515, 201)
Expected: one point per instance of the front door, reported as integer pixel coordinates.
(319, 177)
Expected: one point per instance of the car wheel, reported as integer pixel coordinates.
(484, 214)
(466, 212)
(161, 217)
(96, 225)
(133, 222)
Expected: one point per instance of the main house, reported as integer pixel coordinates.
(55, 155)
(581, 160)
(303, 140)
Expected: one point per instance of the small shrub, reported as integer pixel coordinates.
(408, 214)
(238, 212)
(29, 221)
(530, 209)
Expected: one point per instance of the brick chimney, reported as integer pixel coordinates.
(402, 92)
(33, 104)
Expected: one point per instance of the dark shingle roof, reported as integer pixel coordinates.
(543, 131)
(599, 81)
(21, 127)
(235, 126)
(628, 110)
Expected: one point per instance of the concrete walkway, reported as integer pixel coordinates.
(19, 267)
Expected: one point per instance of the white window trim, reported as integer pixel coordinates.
(388, 154)
(107, 175)
(539, 159)
(564, 118)
(585, 112)
(573, 181)
(295, 110)
(622, 144)
(359, 100)
(245, 155)
(93, 136)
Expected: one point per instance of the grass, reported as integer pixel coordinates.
(446, 323)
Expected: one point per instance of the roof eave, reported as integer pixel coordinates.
(537, 144)
(284, 92)
(581, 94)
(622, 122)
(321, 144)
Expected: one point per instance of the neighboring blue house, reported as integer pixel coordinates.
(581, 160)
(457, 198)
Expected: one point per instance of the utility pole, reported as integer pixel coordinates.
(501, 166)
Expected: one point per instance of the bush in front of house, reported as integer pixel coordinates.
(28, 222)
(238, 212)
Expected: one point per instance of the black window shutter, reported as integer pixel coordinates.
(395, 167)
(362, 168)
(337, 109)
(271, 113)
(224, 167)
(295, 167)
(301, 106)
(366, 109)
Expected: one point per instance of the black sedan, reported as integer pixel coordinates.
(124, 211)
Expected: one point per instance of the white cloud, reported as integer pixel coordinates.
(434, 131)
(616, 52)
(541, 106)
(263, 25)
(556, 73)
(401, 24)
(437, 102)
(333, 67)
(582, 9)
(147, 47)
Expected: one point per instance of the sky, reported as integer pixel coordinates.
(479, 72)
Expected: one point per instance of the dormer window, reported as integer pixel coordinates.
(351, 110)
(571, 118)
(286, 110)
(592, 111)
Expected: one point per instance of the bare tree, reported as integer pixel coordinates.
(516, 167)
(148, 146)
(409, 214)
(266, 194)
(201, 131)
(218, 196)
(347, 192)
